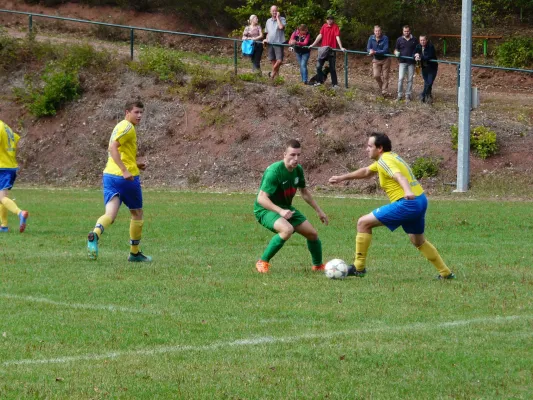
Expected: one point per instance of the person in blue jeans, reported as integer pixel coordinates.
(424, 52)
(300, 41)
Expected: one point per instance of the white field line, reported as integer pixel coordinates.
(81, 306)
(266, 340)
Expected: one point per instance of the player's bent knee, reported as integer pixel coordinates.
(363, 225)
(313, 236)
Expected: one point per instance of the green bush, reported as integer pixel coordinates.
(163, 63)
(516, 53)
(295, 89)
(251, 77)
(78, 56)
(483, 141)
(59, 87)
(425, 167)
(9, 51)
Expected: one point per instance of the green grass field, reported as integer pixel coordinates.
(200, 323)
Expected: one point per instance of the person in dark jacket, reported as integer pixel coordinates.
(300, 41)
(378, 47)
(424, 52)
(405, 47)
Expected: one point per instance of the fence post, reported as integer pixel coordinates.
(444, 47)
(30, 24)
(131, 44)
(458, 80)
(235, 55)
(346, 70)
(485, 47)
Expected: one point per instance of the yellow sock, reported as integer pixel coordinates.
(3, 215)
(433, 256)
(362, 243)
(10, 205)
(102, 224)
(136, 228)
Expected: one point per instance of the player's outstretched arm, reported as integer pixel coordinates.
(306, 195)
(361, 173)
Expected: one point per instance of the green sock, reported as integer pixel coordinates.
(273, 247)
(315, 247)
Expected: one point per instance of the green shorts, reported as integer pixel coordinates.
(267, 218)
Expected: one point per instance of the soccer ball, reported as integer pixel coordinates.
(336, 269)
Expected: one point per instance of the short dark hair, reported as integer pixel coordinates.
(293, 143)
(382, 140)
(134, 103)
(406, 27)
(330, 17)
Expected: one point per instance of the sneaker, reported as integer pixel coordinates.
(451, 276)
(317, 84)
(23, 216)
(92, 246)
(139, 257)
(353, 272)
(321, 267)
(262, 266)
(407, 99)
(4, 229)
(335, 87)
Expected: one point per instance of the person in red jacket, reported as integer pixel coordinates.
(330, 35)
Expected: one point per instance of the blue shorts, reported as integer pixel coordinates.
(128, 192)
(7, 178)
(409, 214)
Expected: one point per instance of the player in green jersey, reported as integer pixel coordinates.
(273, 207)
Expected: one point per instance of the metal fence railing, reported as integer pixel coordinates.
(132, 30)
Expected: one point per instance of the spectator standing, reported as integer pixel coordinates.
(300, 41)
(329, 36)
(253, 32)
(424, 52)
(405, 47)
(378, 46)
(275, 34)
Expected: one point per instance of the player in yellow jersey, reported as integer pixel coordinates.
(8, 174)
(122, 184)
(407, 208)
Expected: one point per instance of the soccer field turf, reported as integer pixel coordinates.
(200, 323)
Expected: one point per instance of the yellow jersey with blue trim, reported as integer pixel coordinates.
(8, 147)
(125, 134)
(389, 164)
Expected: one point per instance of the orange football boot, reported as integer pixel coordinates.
(262, 266)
